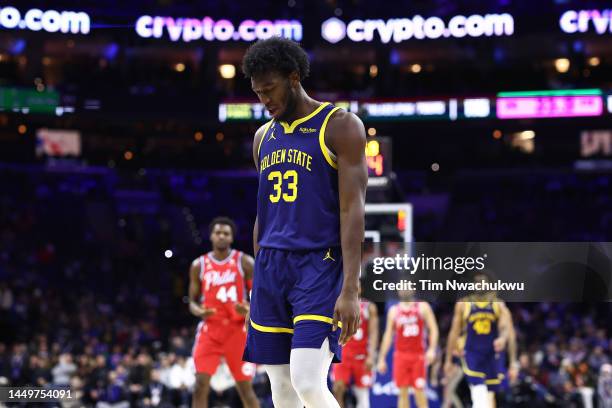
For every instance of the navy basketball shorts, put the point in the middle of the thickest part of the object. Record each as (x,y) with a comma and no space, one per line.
(483,368)
(292,303)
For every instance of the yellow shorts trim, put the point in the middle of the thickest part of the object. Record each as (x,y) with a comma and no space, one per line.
(471,373)
(317,318)
(268,329)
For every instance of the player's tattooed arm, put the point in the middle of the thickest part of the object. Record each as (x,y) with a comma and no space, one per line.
(345,135)
(453,336)
(373,335)
(432,332)
(386,341)
(194,292)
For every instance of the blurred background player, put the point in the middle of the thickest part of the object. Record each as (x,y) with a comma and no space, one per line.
(407,321)
(358,358)
(218,287)
(487,326)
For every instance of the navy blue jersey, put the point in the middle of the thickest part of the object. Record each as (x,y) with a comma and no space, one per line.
(297,201)
(481,319)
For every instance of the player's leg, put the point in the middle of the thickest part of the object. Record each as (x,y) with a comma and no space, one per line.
(403,399)
(420,397)
(206,357)
(341,375)
(417,380)
(363,381)
(476,367)
(339,392)
(480,396)
(492,399)
(450,390)
(247,395)
(309,368)
(362,395)
(243,372)
(283,393)
(201,391)
(270,330)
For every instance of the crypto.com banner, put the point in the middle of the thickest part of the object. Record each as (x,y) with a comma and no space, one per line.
(511,271)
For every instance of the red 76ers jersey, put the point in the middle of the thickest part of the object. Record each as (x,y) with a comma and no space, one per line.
(223,285)
(357,347)
(409,328)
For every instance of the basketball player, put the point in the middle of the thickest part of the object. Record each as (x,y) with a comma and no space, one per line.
(217,293)
(358,358)
(486,322)
(407,321)
(308,231)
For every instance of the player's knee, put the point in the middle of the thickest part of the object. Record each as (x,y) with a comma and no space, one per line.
(280,388)
(307,387)
(202,384)
(339,388)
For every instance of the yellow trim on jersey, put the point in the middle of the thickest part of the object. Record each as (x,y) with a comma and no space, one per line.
(268,329)
(263,136)
(496,309)
(467,310)
(471,373)
(326,151)
(289,128)
(318,318)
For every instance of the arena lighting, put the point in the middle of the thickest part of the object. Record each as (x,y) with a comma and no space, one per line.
(417,27)
(582,21)
(51,21)
(373,70)
(415,68)
(549,104)
(527,134)
(168,253)
(476,107)
(372,131)
(562,65)
(227,71)
(594,61)
(179,67)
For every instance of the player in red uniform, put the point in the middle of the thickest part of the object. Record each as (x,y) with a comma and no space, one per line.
(407,321)
(358,358)
(217,293)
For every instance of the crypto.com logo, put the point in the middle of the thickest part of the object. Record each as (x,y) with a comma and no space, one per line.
(418,27)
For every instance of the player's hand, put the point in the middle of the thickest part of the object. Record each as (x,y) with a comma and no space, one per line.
(369,363)
(499,344)
(382,366)
(346,312)
(242,308)
(430,356)
(207,311)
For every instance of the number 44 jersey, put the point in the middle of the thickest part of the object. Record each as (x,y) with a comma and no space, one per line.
(223,285)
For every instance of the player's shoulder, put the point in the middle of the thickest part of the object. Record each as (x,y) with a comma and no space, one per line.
(347,121)
(262,129)
(197,261)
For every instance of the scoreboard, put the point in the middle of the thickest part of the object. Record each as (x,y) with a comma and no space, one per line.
(378,155)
